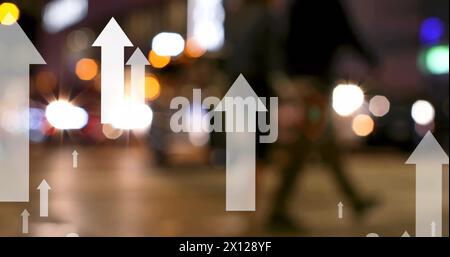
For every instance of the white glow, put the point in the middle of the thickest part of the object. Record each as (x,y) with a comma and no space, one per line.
(205,23)
(379,105)
(64,115)
(14,121)
(168,44)
(347,99)
(60,14)
(196,123)
(132,115)
(422,112)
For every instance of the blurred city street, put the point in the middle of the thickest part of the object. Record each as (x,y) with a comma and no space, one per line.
(168,117)
(116,191)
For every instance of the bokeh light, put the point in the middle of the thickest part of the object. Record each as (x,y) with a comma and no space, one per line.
(80,39)
(63,115)
(347,98)
(12,10)
(437,60)
(110,132)
(379,105)
(363,125)
(152,87)
(132,115)
(158,61)
(45,82)
(194,49)
(422,112)
(37,118)
(59,15)
(168,44)
(86,69)
(432,30)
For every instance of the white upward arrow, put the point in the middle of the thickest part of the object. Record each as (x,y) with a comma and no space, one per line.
(240,104)
(340,210)
(75,159)
(25,214)
(405,234)
(112,40)
(43,198)
(428,158)
(138,61)
(17,52)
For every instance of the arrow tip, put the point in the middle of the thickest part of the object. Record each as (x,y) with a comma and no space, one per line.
(44,185)
(25,213)
(340,204)
(138,58)
(112,34)
(14,39)
(74,152)
(241,88)
(428,151)
(406,234)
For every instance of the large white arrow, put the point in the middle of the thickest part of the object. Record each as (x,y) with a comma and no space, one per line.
(112,40)
(17,52)
(428,158)
(240,104)
(43,198)
(138,61)
(25,214)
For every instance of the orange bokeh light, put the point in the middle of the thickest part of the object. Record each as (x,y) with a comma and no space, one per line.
(363,125)
(158,61)
(152,87)
(86,69)
(193,49)
(45,82)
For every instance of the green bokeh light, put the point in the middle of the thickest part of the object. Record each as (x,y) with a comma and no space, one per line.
(436,60)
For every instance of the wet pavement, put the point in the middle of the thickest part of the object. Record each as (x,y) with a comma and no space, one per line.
(118,191)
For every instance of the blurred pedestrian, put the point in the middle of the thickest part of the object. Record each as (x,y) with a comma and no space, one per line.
(316,30)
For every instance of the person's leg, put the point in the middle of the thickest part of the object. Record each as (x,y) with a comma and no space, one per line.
(332,157)
(289,174)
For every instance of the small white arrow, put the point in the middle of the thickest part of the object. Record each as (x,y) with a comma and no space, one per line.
(17,52)
(340,210)
(43,197)
(138,61)
(406,234)
(75,159)
(25,214)
(433,229)
(240,144)
(112,41)
(428,158)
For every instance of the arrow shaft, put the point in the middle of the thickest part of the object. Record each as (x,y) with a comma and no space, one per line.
(14,157)
(112,81)
(43,208)
(428,199)
(137,90)
(24,224)
(240,171)
(75,161)
(340,212)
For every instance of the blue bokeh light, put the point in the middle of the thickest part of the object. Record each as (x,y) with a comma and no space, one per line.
(432,30)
